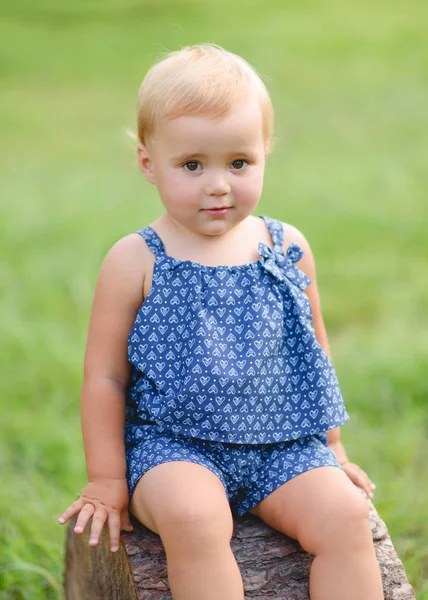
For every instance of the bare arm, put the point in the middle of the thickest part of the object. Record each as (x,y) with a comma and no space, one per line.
(118,295)
(307,265)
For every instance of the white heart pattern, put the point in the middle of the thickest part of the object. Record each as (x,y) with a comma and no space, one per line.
(249,473)
(232,342)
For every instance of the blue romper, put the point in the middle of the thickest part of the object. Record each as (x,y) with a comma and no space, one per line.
(227,373)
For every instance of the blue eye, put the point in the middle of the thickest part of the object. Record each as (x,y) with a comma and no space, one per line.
(239,164)
(192,165)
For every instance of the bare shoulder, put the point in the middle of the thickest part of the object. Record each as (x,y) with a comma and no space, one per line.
(307,262)
(119,294)
(292,234)
(131,251)
(126,266)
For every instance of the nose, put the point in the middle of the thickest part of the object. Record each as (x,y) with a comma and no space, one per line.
(217,185)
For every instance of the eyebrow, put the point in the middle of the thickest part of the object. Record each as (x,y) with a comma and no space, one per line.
(188,156)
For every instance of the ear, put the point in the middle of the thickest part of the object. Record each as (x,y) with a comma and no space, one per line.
(145,163)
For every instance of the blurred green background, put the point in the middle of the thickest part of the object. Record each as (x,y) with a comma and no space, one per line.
(349,83)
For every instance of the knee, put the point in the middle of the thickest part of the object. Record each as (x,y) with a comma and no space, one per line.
(352,511)
(195,526)
(344,526)
(348,525)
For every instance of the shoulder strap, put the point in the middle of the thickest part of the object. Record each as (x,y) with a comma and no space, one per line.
(152,239)
(276,230)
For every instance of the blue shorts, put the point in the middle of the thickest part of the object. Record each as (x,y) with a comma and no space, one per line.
(249,473)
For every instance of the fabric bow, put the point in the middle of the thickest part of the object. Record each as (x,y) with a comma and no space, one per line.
(282,265)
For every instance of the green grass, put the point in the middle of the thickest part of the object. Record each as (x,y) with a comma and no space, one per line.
(349,85)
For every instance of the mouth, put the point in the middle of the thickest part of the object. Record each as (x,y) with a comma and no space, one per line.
(217,211)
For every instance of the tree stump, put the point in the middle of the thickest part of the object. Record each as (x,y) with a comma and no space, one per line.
(272,565)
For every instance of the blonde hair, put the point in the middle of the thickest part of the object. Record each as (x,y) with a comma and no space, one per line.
(198,80)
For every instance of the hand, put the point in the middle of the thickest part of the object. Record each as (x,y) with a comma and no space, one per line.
(103,500)
(359,477)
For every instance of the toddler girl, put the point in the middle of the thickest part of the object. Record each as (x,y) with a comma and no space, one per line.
(207,347)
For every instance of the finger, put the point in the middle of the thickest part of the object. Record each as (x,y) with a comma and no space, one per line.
(114,530)
(98,521)
(84,516)
(126,523)
(71,511)
(368,486)
(364,483)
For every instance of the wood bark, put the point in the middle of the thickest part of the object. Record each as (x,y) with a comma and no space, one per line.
(272,565)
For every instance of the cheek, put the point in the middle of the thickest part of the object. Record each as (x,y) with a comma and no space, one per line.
(176,190)
(251,186)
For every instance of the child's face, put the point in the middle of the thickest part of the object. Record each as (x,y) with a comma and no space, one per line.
(200,163)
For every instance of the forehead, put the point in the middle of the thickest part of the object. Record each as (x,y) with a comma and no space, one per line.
(242,126)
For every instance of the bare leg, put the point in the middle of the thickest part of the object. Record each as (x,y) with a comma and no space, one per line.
(323,510)
(187,506)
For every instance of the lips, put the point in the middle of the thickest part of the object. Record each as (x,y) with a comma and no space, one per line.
(217,212)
